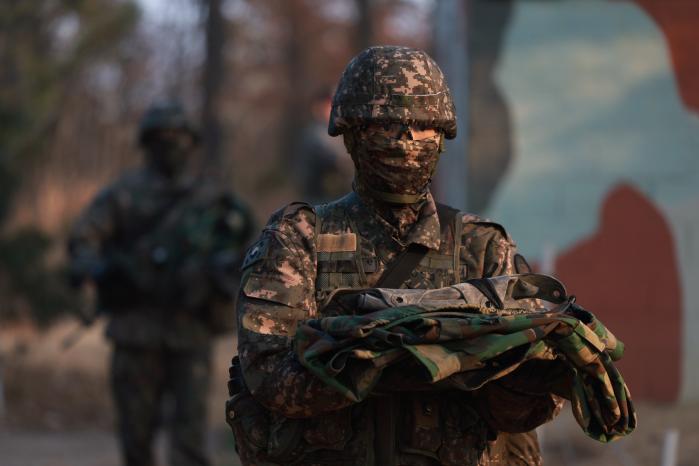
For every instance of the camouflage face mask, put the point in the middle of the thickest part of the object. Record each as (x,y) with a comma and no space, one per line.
(392,165)
(169,153)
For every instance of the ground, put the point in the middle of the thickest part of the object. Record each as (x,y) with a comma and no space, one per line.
(57,411)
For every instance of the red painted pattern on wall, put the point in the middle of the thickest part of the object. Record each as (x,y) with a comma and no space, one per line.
(678,19)
(627,274)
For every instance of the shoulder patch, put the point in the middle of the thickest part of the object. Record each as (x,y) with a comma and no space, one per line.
(256,253)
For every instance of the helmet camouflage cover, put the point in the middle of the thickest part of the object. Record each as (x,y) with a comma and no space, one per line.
(392,84)
(165,115)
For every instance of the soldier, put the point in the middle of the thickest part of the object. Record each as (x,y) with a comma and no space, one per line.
(162,248)
(394,110)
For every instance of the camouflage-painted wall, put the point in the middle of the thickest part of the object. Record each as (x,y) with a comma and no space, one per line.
(604,168)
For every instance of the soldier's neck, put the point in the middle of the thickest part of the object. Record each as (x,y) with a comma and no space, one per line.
(173,178)
(401,216)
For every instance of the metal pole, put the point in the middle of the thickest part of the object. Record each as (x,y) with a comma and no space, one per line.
(451,53)
(2,395)
(214,70)
(670,443)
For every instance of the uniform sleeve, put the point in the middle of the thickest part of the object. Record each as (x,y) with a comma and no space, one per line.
(278,291)
(486,249)
(524,399)
(94,227)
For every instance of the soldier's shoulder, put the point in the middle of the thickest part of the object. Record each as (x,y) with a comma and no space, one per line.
(472,223)
(290,228)
(132,177)
(296,219)
(126,182)
(216,194)
(291,213)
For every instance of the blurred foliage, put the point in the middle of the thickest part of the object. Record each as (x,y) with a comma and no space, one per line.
(28,285)
(44,46)
(75,76)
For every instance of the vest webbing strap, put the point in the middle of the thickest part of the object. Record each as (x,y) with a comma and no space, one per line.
(402,266)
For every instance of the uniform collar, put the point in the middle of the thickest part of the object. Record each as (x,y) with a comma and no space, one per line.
(182,181)
(425,231)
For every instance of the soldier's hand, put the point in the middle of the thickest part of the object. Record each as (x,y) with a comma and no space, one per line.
(84,268)
(87,307)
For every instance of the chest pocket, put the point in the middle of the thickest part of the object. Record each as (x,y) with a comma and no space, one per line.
(435,270)
(345,269)
(343,259)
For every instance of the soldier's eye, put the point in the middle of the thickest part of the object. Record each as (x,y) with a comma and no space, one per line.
(396,128)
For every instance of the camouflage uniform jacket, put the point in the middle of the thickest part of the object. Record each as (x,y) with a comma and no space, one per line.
(292,415)
(155,242)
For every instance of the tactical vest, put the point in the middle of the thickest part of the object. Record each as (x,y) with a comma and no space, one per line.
(346,259)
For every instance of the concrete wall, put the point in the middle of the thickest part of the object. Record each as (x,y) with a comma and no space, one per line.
(605,169)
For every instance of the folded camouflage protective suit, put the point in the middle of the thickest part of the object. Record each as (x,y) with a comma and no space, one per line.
(467,335)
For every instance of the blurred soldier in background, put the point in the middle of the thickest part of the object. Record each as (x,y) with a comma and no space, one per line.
(394,110)
(162,247)
(325,170)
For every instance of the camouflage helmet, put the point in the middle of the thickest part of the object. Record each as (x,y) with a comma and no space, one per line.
(164,115)
(392,84)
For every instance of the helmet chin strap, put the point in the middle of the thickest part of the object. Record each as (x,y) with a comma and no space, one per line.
(395,198)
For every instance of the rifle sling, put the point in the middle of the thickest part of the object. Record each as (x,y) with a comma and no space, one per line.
(402,266)
(153,221)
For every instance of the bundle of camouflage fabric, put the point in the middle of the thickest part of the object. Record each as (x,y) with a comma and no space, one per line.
(468,335)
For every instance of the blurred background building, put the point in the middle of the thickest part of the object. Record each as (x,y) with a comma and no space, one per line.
(578,131)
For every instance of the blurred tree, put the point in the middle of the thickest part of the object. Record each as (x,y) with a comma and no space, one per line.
(214,69)
(365,30)
(89,123)
(297,14)
(45,45)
